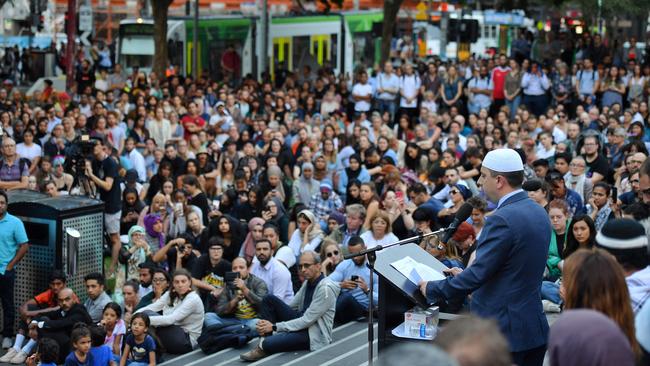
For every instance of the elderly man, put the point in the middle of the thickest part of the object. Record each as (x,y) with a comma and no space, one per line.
(510,259)
(14,171)
(306,323)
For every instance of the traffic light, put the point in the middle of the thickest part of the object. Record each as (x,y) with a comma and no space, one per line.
(468,29)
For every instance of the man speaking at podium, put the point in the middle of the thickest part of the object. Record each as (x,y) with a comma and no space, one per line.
(511,254)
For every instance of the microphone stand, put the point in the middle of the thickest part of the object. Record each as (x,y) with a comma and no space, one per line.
(371,256)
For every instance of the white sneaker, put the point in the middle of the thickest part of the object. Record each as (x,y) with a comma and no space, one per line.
(550,307)
(19,358)
(7,342)
(11,352)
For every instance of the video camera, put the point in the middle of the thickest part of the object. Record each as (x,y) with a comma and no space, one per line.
(80,150)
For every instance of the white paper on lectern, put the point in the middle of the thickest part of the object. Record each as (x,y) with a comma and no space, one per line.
(416,271)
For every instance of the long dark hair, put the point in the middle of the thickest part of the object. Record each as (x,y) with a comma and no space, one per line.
(172,292)
(571,243)
(413,163)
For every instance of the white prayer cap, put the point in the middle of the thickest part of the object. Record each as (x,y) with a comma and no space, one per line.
(503,161)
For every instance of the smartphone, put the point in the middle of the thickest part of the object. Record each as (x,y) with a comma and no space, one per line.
(354,278)
(215,204)
(399,195)
(614,194)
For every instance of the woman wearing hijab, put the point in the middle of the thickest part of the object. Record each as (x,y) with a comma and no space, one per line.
(355,171)
(274,187)
(274,212)
(133,254)
(255,227)
(306,186)
(230,230)
(155,236)
(308,235)
(586,337)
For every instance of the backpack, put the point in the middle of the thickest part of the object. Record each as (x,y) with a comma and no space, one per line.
(21,164)
(217,339)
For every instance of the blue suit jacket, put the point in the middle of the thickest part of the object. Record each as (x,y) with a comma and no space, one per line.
(505,279)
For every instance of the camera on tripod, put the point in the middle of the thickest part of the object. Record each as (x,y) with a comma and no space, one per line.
(80,150)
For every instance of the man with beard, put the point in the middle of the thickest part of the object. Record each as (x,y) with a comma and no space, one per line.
(276,276)
(353,276)
(597,165)
(145,271)
(58,324)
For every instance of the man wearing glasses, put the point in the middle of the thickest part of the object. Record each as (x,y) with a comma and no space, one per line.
(304,324)
(596,163)
(14,172)
(353,276)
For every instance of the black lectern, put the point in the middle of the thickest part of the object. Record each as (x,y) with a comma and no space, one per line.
(397,294)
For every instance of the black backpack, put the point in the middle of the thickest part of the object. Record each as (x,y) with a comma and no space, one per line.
(217,339)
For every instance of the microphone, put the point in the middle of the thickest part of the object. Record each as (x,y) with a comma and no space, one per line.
(463,213)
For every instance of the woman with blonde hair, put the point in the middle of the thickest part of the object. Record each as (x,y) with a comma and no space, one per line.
(592,279)
(380,232)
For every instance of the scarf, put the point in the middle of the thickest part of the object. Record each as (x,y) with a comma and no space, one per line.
(248,248)
(576,183)
(315,230)
(602,216)
(276,171)
(353,174)
(149,221)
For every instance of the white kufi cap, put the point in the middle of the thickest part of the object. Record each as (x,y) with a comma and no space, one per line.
(503,161)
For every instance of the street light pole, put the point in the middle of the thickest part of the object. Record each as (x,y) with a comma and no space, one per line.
(70,47)
(195,42)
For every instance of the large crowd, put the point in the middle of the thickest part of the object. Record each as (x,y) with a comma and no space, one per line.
(230,205)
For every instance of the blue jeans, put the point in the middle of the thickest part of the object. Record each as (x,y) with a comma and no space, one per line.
(387,105)
(513,105)
(551,291)
(348,309)
(275,310)
(7,281)
(212,319)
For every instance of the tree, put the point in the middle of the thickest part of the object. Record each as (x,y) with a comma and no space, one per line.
(159,8)
(391,8)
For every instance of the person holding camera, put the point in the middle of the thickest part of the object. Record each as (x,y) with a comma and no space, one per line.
(178,254)
(103,172)
(239,302)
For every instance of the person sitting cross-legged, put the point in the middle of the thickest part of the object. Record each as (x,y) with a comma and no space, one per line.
(239,301)
(353,277)
(306,323)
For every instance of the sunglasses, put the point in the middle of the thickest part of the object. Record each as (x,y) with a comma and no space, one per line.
(336,252)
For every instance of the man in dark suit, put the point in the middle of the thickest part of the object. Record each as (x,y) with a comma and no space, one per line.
(58,324)
(511,254)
